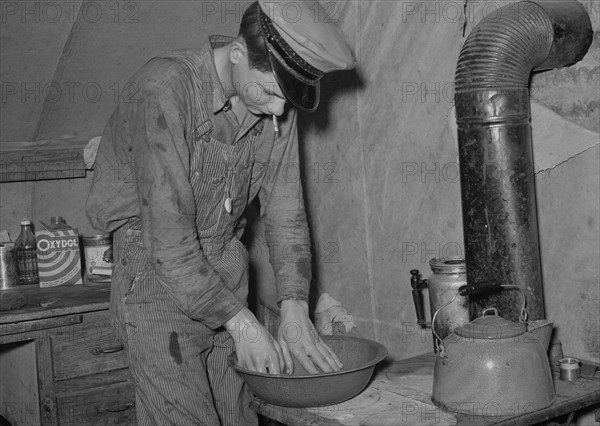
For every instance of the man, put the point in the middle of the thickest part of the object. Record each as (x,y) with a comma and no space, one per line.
(209,131)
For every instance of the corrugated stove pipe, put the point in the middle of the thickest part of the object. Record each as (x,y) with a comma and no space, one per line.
(494,136)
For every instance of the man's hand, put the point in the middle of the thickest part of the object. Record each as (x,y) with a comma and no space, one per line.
(256,349)
(297,335)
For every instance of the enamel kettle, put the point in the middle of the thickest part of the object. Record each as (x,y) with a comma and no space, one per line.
(492,366)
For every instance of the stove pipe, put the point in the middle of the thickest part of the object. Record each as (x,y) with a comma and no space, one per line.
(494,137)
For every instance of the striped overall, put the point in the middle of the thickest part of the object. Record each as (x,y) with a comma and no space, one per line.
(179,365)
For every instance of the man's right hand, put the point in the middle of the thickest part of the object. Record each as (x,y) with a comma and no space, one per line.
(255,348)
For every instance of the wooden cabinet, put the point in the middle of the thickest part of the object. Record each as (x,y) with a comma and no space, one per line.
(65,366)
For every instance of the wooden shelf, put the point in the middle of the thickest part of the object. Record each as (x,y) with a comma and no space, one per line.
(42,160)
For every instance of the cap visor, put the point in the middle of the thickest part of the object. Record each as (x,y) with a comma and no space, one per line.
(302,95)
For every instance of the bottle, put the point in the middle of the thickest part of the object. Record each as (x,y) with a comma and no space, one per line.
(26,249)
(57,223)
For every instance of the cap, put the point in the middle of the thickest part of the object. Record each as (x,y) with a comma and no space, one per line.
(303,45)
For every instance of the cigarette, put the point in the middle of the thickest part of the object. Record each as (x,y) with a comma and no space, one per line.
(275,125)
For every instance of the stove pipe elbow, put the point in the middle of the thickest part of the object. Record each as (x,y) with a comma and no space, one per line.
(494,137)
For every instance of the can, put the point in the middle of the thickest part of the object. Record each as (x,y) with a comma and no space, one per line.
(449,274)
(98,254)
(570,369)
(9,276)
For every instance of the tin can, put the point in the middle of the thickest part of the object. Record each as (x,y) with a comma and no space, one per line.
(98,254)
(570,369)
(9,276)
(449,274)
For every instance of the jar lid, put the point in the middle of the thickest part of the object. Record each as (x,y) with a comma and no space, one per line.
(25,221)
(448,265)
(492,327)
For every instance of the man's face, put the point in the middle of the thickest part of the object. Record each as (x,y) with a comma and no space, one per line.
(258,90)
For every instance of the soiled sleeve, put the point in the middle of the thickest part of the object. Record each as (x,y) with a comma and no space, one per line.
(166,203)
(284,215)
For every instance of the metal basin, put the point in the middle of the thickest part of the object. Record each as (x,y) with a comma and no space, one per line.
(301,389)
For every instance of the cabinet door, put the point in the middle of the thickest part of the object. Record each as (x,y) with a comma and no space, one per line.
(91,382)
(104,405)
(89,348)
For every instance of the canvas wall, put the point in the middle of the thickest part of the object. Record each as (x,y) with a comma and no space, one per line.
(395,201)
(380,156)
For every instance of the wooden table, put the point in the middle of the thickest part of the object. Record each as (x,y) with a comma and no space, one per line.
(400,394)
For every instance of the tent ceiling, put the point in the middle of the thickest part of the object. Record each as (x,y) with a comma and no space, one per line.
(64,63)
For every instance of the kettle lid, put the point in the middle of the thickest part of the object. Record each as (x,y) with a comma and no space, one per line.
(491,327)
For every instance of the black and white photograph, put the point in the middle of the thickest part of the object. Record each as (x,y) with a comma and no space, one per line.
(300,212)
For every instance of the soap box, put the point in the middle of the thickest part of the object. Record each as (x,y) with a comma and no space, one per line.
(59,256)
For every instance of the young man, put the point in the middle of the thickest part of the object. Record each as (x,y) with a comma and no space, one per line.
(210,130)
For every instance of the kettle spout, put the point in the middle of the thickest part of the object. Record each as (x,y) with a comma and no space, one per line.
(542,330)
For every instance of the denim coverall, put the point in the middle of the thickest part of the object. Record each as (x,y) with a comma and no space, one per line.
(173,174)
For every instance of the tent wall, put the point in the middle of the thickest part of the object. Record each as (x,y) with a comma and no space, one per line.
(380,156)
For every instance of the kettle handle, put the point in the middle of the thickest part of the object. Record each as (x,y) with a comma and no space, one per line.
(465,290)
(485,287)
(440,349)
(485,312)
(493,286)
(524,315)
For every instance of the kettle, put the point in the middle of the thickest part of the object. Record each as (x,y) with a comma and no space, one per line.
(492,366)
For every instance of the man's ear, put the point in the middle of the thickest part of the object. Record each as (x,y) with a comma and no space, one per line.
(237,52)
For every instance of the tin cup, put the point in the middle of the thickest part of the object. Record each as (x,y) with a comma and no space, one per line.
(98,254)
(9,276)
(569,369)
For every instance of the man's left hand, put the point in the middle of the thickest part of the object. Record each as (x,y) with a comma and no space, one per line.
(297,336)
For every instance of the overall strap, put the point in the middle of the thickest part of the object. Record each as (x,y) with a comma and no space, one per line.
(191,60)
